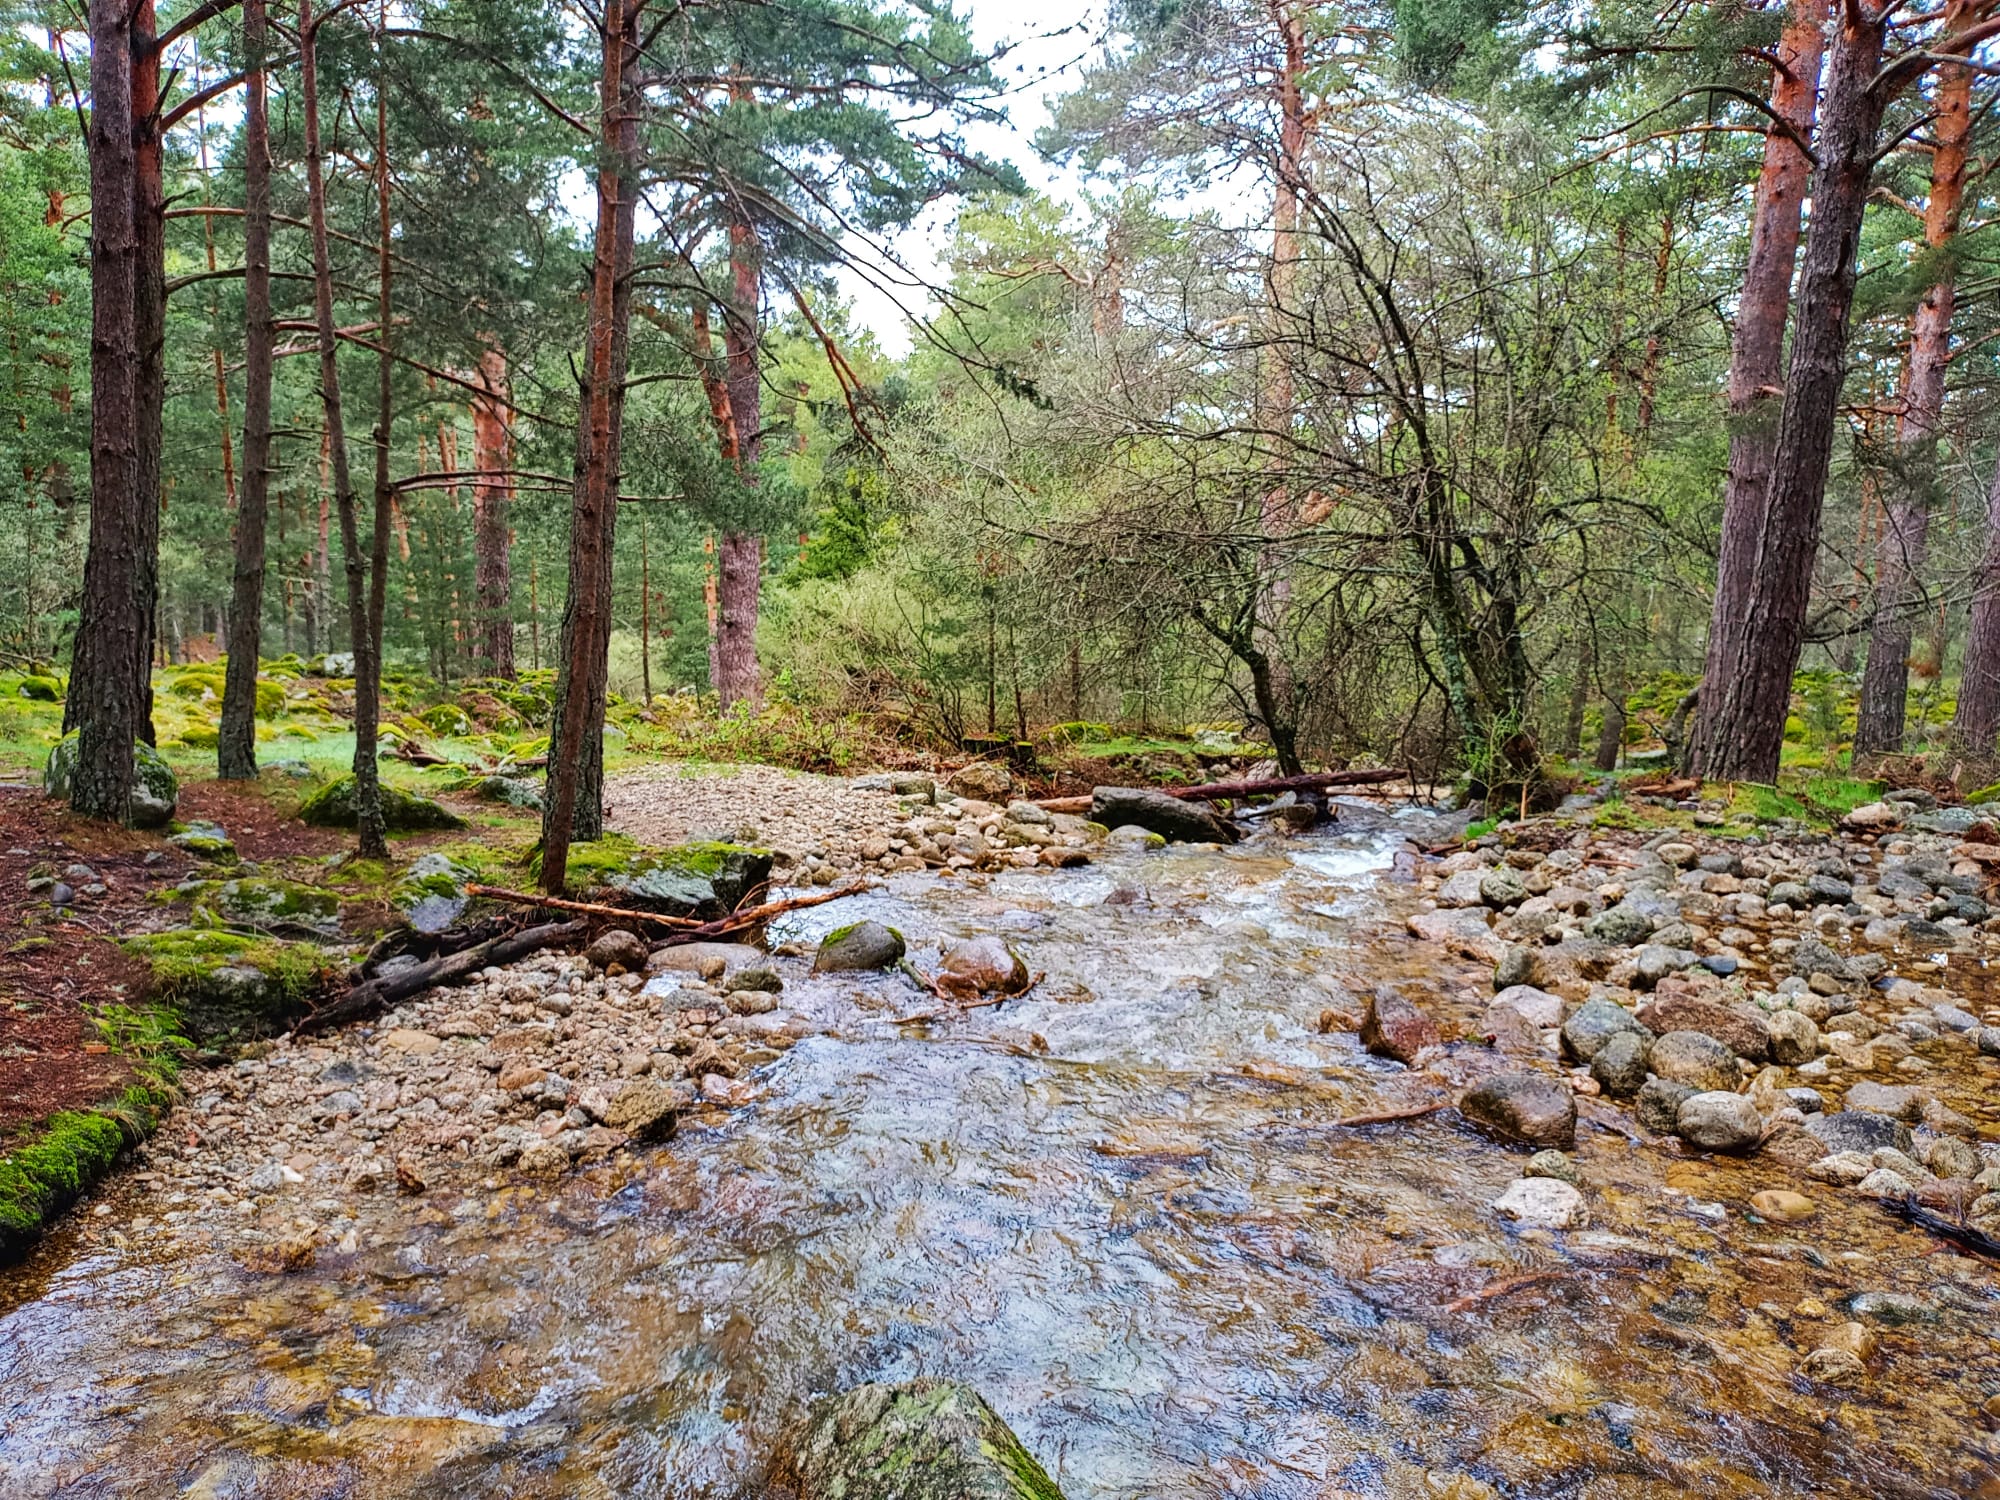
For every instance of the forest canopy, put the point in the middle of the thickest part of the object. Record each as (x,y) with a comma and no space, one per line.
(1455,386)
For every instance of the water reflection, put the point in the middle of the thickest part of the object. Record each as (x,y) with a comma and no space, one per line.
(1118,1207)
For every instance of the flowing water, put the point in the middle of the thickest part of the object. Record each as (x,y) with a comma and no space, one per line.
(1121,1208)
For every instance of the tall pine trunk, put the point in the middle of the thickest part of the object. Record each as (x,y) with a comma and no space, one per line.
(573,804)
(1756,356)
(740,559)
(1747,690)
(236,749)
(373,841)
(368,664)
(110,698)
(1899,561)
(1977,720)
(492,542)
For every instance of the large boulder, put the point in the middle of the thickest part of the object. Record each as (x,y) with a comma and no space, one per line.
(1526,1109)
(1859,1131)
(155,789)
(701,880)
(859,948)
(432,895)
(924,1440)
(332,806)
(1157,812)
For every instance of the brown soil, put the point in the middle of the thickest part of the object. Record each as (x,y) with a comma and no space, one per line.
(54,970)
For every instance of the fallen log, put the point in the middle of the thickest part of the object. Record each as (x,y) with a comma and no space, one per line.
(1219,791)
(385,990)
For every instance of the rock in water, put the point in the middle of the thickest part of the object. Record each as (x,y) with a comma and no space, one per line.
(1595,1023)
(645,1109)
(865,945)
(1543,1203)
(1716,1121)
(926,1440)
(983,966)
(1156,812)
(1620,1065)
(1396,1028)
(1525,1108)
(1858,1131)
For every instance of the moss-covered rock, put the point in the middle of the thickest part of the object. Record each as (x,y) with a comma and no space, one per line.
(47,1170)
(702,879)
(255,901)
(925,1440)
(332,806)
(514,791)
(431,895)
(228,987)
(860,947)
(446,719)
(209,841)
(40,690)
(155,789)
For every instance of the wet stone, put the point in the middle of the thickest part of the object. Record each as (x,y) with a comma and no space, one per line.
(1620,1064)
(1695,1059)
(863,947)
(926,1440)
(1658,1105)
(1543,1203)
(620,948)
(1527,1109)
(1717,1121)
(1593,1024)
(1858,1131)
(1396,1027)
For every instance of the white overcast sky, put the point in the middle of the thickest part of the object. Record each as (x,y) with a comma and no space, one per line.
(1042,65)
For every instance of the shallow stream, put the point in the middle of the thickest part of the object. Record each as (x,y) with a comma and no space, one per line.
(1120,1208)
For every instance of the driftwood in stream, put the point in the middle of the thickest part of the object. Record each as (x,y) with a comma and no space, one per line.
(685,930)
(1219,791)
(389,989)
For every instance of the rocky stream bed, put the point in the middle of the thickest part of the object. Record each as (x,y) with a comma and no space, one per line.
(1581,1165)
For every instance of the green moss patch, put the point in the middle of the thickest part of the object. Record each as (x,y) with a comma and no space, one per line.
(55,1165)
(332,806)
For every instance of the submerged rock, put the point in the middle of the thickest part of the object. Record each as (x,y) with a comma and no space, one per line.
(1158,812)
(1543,1203)
(1858,1131)
(1526,1109)
(925,1440)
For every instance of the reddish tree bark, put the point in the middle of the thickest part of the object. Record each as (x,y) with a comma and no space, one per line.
(573,805)
(1747,690)
(236,749)
(492,541)
(1900,559)
(110,698)
(740,557)
(1756,356)
(1977,720)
